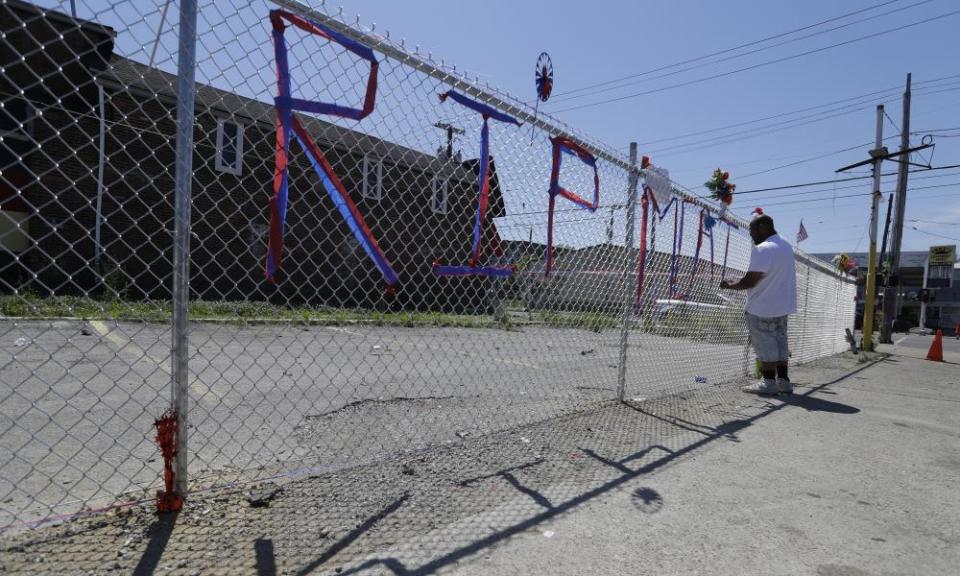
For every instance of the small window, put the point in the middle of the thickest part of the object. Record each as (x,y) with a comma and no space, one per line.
(16,131)
(54,223)
(372,178)
(438,201)
(257,239)
(229,147)
(16,119)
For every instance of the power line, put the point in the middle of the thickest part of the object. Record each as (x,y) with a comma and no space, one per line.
(631,80)
(832,191)
(935,130)
(862,236)
(621,205)
(714,142)
(773,128)
(934,222)
(892,123)
(726,50)
(915,229)
(895,90)
(761,64)
(810,159)
(805,209)
(805,184)
(789,202)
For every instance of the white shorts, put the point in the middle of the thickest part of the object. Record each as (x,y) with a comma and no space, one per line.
(769,337)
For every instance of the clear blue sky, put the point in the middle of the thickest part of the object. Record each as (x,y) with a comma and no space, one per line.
(606,39)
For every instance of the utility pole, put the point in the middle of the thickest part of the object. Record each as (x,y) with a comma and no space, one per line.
(883,244)
(923,305)
(877,155)
(451,130)
(891,294)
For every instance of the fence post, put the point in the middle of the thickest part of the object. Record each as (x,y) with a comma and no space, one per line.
(186,68)
(806,313)
(629,277)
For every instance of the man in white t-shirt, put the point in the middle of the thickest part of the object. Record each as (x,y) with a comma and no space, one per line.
(771,285)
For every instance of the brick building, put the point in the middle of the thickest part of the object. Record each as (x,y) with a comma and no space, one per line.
(87,187)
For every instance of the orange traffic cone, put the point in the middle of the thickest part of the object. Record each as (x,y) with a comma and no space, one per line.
(936,349)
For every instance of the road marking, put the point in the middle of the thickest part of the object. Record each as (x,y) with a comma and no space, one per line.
(344,331)
(902,338)
(127,346)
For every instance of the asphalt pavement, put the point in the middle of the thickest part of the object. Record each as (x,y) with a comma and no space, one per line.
(79,398)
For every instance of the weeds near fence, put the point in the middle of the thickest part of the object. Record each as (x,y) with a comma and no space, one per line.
(33,307)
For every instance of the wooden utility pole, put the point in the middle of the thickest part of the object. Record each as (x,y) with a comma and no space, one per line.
(877,154)
(891,293)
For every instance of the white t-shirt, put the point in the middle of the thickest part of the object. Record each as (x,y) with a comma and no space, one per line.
(776,293)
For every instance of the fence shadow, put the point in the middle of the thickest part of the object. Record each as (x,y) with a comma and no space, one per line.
(160,532)
(266,558)
(646,499)
(813,404)
(423,513)
(352,536)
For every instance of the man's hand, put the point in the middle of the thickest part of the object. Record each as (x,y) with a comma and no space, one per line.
(747,282)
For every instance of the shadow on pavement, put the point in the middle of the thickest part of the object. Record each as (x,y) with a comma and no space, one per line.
(817,404)
(644,498)
(160,533)
(424,512)
(353,535)
(266,559)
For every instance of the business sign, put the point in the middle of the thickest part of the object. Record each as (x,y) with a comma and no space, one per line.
(943,255)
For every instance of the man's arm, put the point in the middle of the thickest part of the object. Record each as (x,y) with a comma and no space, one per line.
(747,282)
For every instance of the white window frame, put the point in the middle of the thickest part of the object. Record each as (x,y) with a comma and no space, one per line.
(257,238)
(54,223)
(26,132)
(236,169)
(370,163)
(440,185)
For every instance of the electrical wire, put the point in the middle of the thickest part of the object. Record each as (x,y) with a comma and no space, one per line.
(889,119)
(892,91)
(681,149)
(761,64)
(915,229)
(686,148)
(866,194)
(934,222)
(810,159)
(735,56)
(805,184)
(724,51)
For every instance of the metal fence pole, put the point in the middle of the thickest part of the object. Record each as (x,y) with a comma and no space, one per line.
(629,278)
(186,68)
(806,313)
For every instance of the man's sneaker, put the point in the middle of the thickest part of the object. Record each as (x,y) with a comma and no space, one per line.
(785,385)
(763,386)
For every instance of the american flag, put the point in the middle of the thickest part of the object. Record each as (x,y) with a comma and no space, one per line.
(801,233)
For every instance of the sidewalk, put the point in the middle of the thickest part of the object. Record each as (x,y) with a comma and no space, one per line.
(854,475)
(868,490)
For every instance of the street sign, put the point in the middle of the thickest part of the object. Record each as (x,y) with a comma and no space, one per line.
(943,255)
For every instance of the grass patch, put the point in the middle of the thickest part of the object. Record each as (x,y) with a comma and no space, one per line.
(27,305)
(69,307)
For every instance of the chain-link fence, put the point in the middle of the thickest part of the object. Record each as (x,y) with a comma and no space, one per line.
(418,292)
